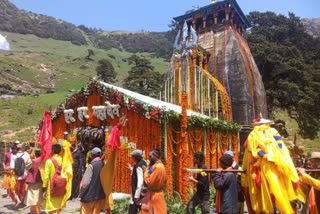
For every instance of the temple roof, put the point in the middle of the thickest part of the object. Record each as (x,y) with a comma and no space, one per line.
(210,9)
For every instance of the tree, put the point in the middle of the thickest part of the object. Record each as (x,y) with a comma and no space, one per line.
(288,60)
(142,78)
(105,71)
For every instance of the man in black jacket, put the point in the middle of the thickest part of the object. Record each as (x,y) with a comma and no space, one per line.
(226,186)
(202,195)
(136,180)
(91,191)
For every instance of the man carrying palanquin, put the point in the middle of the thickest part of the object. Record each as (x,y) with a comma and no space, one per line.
(313,180)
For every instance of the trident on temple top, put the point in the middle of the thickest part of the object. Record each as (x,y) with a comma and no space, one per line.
(185,49)
(185,44)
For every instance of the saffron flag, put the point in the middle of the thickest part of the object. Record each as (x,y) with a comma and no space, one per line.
(45,136)
(107,177)
(67,170)
(107,171)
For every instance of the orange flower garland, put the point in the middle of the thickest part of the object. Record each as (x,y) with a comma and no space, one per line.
(146,133)
(223,142)
(93,100)
(235,146)
(207,150)
(59,126)
(169,163)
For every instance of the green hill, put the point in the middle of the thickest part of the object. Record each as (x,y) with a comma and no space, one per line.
(36,67)
(20,21)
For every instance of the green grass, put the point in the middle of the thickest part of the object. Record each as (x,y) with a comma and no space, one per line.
(292,129)
(23,114)
(66,61)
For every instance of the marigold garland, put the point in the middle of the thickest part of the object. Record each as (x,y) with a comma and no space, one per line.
(147,134)
(223,142)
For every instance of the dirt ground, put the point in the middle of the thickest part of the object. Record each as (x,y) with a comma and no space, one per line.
(7,205)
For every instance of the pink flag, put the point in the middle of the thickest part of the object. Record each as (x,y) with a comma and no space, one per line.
(45,136)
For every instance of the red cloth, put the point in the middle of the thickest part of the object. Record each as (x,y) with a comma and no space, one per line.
(8,159)
(312,201)
(114,138)
(21,189)
(218,200)
(45,136)
(33,175)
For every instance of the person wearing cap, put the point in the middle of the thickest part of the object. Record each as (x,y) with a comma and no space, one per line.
(202,195)
(136,181)
(91,194)
(226,186)
(271,181)
(241,197)
(314,163)
(153,186)
(66,135)
(234,164)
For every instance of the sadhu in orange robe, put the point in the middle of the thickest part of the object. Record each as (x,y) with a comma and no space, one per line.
(154,182)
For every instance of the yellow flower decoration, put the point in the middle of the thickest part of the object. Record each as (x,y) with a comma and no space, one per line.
(203,173)
(54,140)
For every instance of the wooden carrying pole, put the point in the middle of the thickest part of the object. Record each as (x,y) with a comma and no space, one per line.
(214,170)
(232,170)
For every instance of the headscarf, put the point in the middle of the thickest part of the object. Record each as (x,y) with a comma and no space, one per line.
(156,152)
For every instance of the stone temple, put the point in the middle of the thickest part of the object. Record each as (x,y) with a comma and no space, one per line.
(221,78)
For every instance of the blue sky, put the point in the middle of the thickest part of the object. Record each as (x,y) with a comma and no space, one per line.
(148,15)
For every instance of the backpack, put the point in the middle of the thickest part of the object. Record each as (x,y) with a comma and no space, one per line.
(58,183)
(19,166)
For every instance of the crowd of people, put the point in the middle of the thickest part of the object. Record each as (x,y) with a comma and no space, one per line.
(30,180)
(38,186)
(44,185)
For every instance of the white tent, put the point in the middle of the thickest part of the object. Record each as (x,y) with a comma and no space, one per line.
(4,44)
(152,101)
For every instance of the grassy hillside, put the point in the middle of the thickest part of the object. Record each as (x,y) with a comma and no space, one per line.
(36,63)
(292,129)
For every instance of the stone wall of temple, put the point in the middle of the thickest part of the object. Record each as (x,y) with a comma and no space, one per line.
(232,63)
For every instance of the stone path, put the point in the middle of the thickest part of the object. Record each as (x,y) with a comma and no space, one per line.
(7,205)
